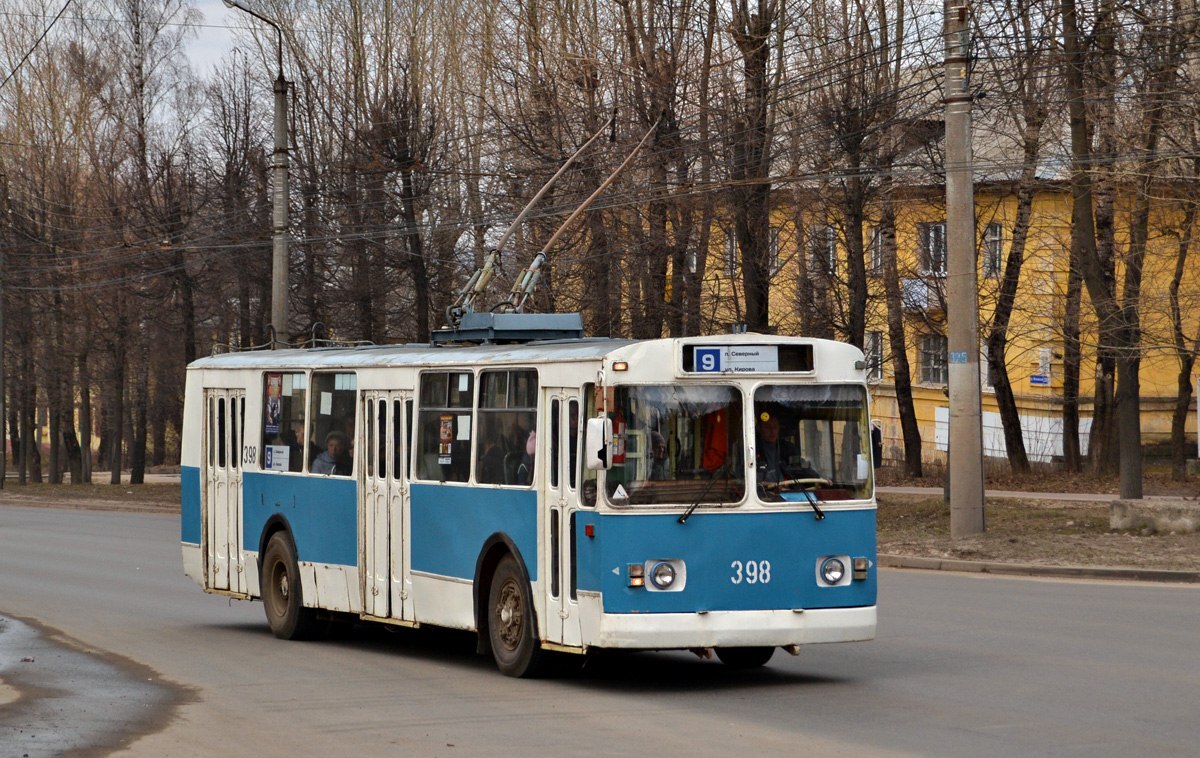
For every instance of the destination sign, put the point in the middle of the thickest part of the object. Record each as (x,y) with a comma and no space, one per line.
(740,359)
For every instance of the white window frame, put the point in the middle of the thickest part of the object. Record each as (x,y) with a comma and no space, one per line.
(931,237)
(873,348)
(993,247)
(731,254)
(935,367)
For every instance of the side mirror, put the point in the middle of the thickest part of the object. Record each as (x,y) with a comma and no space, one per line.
(595,445)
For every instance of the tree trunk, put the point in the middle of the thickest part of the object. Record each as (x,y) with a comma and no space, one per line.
(909,430)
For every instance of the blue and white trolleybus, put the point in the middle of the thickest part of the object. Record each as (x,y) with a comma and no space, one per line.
(552,495)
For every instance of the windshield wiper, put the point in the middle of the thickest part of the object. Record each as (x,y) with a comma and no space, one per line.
(812,500)
(704,493)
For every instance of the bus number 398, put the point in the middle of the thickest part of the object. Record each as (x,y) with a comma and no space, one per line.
(751,572)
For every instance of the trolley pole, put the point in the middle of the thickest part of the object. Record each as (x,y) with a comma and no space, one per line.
(962,295)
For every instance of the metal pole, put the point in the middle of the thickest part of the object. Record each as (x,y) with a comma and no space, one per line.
(3,405)
(279,253)
(962,296)
(279,164)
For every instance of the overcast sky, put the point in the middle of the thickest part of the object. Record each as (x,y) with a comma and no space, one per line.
(214,37)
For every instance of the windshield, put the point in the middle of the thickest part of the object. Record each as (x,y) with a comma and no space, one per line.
(812,438)
(678,445)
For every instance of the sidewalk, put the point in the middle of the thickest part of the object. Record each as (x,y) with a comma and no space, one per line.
(1008,494)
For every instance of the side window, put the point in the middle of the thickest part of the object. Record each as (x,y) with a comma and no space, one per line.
(331,439)
(370,437)
(408,438)
(573,433)
(507,427)
(444,426)
(221,441)
(554,443)
(400,440)
(381,440)
(284,408)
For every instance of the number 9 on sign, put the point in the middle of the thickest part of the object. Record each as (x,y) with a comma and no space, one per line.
(708,359)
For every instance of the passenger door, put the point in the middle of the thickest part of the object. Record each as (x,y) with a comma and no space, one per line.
(562,497)
(383,557)
(224,435)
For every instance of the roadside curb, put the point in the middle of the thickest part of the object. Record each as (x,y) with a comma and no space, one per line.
(1030,569)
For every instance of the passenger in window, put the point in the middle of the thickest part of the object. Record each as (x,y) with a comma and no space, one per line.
(658,449)
(491,463)
(295,451)
(336,458)
(525,467)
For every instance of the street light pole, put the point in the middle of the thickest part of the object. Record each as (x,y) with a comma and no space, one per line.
(279,170)
(962,293)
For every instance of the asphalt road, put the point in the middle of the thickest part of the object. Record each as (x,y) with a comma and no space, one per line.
(964,665)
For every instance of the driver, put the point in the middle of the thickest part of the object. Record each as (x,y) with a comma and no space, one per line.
(777,459)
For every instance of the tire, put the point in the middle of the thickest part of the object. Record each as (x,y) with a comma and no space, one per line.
(745,657)
(511,632)
(282,597)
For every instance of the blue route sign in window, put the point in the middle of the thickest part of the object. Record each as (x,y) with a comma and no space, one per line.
(708,360)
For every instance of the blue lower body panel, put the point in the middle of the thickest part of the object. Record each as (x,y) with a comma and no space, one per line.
(717,550)
(451,523)
(322,512)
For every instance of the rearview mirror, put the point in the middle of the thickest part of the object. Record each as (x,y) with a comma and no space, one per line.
(595,446)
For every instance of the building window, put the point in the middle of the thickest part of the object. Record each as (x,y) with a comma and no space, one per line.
(933,359)
(985,368)
(731,255)
(873,347)
(932,239)
(823,248)
(875,251)
(774,249)
(993,237)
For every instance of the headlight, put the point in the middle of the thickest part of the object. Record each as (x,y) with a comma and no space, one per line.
(832,570)
(662,574)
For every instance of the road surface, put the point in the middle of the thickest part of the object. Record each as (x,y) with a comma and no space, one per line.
(964,665)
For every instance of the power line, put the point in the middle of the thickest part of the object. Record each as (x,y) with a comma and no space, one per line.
(29,52)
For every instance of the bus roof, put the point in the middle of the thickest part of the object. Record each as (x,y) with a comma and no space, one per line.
(409,355)
(566,350)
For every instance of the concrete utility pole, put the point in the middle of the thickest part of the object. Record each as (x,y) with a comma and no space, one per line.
(962,295)
(279,166)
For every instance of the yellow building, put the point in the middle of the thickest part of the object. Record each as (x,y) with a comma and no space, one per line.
(1035,335)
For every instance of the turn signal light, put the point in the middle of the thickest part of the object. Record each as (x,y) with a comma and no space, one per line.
(637,575)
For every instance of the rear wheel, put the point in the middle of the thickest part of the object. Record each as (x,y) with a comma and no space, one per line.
(745,657)
(510,622)
(281,594)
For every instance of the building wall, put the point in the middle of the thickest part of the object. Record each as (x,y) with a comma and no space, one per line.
(1035,334)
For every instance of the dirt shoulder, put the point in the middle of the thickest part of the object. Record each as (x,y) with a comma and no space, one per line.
(1042,532)
(135,498)
(1038,532)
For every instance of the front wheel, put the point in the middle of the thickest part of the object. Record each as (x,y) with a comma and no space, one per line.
(745,657)
(281,595)
(510,622)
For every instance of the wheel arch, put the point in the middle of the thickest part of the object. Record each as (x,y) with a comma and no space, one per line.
(493,551)
(275,524)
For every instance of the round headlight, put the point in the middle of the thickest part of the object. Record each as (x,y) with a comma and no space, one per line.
(663,575)
(832,570)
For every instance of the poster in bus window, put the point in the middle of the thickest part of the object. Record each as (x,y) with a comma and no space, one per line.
(445,439)
(274,403)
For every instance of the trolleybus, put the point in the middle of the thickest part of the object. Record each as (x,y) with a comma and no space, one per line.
(551,495)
